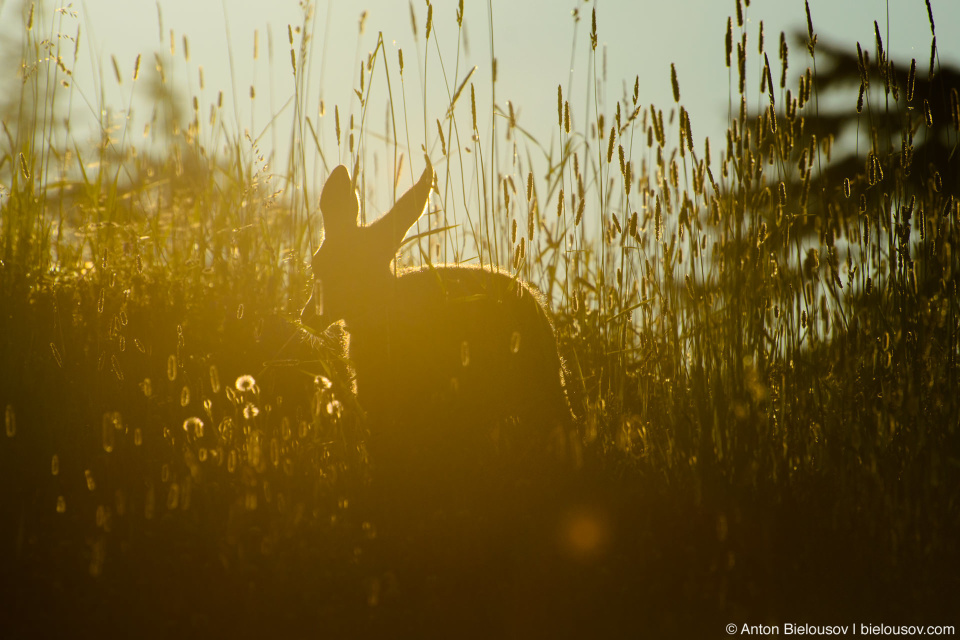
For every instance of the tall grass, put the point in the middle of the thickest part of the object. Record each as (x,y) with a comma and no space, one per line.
(761,332)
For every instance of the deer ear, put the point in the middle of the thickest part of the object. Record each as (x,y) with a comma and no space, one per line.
(338,202)
(387,232)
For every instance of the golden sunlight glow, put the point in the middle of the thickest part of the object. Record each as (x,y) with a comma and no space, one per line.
(584,534)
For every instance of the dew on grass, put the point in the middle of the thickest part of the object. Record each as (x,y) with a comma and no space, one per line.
(56,355)
(61,504)
(214,379)
(373,592)
(253,451)
(226,428)
(515,342)
(275,452)
(91,483)
(137,436)
(173,496)
(185,492)
(97,557)
(120,501)
(147,387)
(55,465)
(150,502)
(185,396)
(10,421)
(109,437)
(465,353)
(112,422)
(171,367)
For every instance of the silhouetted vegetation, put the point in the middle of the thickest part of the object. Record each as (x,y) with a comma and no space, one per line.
(761,335)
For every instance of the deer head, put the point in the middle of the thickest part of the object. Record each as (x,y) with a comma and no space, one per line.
(351,268)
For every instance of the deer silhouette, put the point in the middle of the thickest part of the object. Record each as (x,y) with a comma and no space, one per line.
(445,357)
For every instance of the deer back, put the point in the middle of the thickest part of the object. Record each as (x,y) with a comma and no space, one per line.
(469,340)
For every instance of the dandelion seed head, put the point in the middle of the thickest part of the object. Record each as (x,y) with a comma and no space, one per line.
(246,383)
(193,426)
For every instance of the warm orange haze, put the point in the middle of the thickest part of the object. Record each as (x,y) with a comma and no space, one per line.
(480,320)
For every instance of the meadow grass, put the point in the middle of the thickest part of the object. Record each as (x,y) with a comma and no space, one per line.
(761,333)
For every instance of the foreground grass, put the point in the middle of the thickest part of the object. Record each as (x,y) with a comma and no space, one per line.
(762,342)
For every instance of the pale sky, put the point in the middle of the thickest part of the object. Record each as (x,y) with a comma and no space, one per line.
(533,42)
